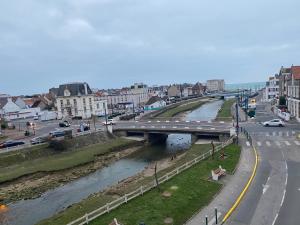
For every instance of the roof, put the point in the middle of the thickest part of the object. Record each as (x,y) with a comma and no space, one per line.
(75,89)
(153,99)
(296,72)
(285,70)
(3,102)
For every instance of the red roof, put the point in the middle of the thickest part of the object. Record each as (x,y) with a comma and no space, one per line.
(296,72)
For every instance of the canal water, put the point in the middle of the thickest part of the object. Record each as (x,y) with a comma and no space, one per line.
(28,212)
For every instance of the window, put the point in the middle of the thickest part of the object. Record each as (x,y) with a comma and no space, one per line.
(68,102)
(97,105)
(84,109)
(91,107)
(76,111)
(61,103)
(75,101)
(90,101)
(83,101)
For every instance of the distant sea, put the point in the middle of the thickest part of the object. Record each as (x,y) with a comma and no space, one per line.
(253,86)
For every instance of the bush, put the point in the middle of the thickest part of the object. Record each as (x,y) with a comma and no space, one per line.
(58,146)
(3,126)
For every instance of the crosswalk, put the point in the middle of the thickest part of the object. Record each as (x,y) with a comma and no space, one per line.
(276,143)
(291,133)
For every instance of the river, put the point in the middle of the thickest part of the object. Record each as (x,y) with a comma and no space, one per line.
(28,212)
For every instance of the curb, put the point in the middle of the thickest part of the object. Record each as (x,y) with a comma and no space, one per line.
(242,194)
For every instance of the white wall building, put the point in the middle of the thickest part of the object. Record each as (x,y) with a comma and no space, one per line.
(272,88)
(77,100)
(155,103)
(215,85)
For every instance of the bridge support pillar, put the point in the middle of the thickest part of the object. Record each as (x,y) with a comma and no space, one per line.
(194,138)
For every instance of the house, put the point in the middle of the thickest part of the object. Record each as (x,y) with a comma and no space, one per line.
(155,103)
(198,89)
(216,85)
(272,88)
(293,92)
(174,91)
(284,76)
(78,100)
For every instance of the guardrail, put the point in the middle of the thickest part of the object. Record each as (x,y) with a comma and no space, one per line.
(142,189)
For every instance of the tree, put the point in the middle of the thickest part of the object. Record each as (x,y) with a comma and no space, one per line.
(282,100)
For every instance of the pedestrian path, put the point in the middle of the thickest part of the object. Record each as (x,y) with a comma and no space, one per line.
(291,133)
(270,143)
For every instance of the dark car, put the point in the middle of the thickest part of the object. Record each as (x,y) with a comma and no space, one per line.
(38,140)
(8,144)
(64,124)
(55,134)
(83,127)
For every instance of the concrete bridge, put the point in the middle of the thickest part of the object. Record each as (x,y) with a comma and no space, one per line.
(158,130)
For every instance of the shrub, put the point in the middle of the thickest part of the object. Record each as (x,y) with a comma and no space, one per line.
(58,146)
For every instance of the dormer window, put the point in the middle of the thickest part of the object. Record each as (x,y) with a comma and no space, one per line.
(67,93)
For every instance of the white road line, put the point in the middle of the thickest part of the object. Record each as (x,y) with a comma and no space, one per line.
(152,126)
(212,128)
(283,196)
(199,128)
(297,142)
(167,121)
(222,122)
(280,133)
(287,143)
(187,121)
(142,126)
(158,121)
(274,221)
(265,187)
(137,121)
(268,143)
(287,134)
(174,127)
(186,128)
(293,132)
(274,133)
(247,143)
(163,127)
(277,143)
(198,121)
(176,121)
(209,121)
(149,121)
(267,134)
(133,126)
(258,143)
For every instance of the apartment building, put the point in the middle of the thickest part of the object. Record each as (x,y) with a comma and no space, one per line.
(215,85)
(293,92)
(272,88)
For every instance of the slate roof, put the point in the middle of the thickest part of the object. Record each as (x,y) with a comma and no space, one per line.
(3,102)
(76,89)
(153,99)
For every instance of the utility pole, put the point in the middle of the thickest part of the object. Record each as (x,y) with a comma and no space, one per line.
(105,118)
(237,119)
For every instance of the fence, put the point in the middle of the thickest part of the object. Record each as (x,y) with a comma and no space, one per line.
(142,189)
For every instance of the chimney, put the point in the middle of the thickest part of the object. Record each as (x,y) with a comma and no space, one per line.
(85,89)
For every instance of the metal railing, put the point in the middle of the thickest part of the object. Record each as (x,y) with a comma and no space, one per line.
(144,188)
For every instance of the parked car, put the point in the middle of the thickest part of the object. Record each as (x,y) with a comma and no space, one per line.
(83,127)
(38,140)
(64,124)
(57,133)
(8,144)
(274,123)
(109,122)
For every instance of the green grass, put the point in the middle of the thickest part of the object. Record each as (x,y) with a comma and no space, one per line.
(225,111)
(54,162)
(194,192)
(180,109)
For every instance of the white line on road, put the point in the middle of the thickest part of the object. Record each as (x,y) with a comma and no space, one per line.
(258,143)
(163,127)
(174,127)
(176,121)
(247,143)
(283,196)
(287,134)
(167,121)
(280,133)
(158,121)
(222,122)
(274,133)
(149,121)
(142,126)
(268,143)
(287,143)
(293,132)
(267,134)
(277,143)
(187,121)
(186,128)
(274,221)
(297,142)
(152,126)
(265,187)
(198,121)
(199,128)
(212,128)
(209,121)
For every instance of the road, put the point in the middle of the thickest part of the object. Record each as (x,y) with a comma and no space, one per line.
(274,196)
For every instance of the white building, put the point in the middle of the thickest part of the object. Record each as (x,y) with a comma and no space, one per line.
(78,100)
(293,92)
(215,85)
(155,103)
(272,88)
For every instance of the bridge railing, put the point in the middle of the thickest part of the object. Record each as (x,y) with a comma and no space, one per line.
(144,188)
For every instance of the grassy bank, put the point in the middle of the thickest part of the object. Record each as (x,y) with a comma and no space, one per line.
(181,108)
(194,191)
(48,161)
(225,111)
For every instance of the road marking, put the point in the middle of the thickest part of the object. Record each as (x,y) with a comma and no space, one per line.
(274,221)
(167,121)
(293,132)
(133,126)
(149,121)
(209,121)
(199,128)
(198,121)
(212,128)
(163,127)
(186,128)
(267,134)
(137,121)
(158,121)
(247,143)
(187,121)
(265,187)
(268,143)
(174,127)
(287,134)
(142,126)
(176,121)
(258,143)
(222,122)
(277,143)
(287,143)
(274,133)
(297,142)
(298,189)
(283,196)
(152,126)
(280,133)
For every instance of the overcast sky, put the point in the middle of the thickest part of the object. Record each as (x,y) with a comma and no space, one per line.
(113,43)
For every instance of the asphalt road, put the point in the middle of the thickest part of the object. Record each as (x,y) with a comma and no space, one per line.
(274,196)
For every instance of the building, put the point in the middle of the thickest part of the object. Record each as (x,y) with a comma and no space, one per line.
(215,85)
(78,100)
(198,89)
(174,91)
(284,76)
(293,92)
(272,88)
(155,103)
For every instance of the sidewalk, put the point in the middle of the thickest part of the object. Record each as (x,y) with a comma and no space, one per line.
(233,186)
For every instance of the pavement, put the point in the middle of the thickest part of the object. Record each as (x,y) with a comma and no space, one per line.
(233,186)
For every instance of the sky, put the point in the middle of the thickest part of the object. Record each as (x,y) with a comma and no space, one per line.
(114,43)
